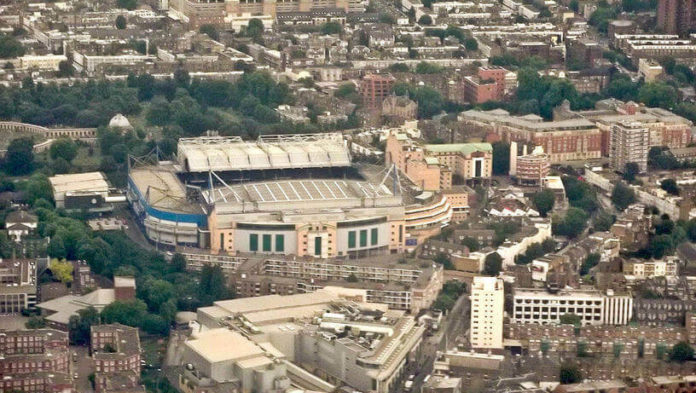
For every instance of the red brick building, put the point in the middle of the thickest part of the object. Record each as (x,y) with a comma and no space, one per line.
(32,351)
(115,348)
(374,88)
(675,16)
(490,84)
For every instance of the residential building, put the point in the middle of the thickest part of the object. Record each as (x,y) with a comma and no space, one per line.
(675,16)
(630,142)
(641,269)
(564,140)
(116,354)
(632,227)
(487,311)
(529,169)
(19,224)
(402,285)
(18,283)
(690,322)
(593,307)
(35,361)
(431,167)
(374,88)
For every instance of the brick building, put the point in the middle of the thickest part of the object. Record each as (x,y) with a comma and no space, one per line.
(675,16)
(374,88)
(116,354)
(35,361)
(399,109)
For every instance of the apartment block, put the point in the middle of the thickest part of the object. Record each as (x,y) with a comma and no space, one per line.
(629,143)
(431,167)
(17,285)
(487,310)
(542,306)
(374,88)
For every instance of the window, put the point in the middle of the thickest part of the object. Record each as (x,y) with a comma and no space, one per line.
(373,236)
(253,242)
(351,239)
(317,246)
(363,238)
(280,243)
(266,243)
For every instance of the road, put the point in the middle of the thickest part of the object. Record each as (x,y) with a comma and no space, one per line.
(455,325)
(83,367)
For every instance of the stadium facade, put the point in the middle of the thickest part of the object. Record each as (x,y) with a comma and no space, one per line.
(269,196)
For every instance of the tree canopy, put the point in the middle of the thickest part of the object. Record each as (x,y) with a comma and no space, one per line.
(544,201)
(622,196)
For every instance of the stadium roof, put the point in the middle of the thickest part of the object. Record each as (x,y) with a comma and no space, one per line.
(299,191)
(269,152)
(162,189)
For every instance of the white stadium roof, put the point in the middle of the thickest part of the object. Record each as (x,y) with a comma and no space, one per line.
(216,153)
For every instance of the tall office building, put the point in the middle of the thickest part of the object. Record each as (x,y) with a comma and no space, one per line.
(629,142)
(487,308)
(675,16)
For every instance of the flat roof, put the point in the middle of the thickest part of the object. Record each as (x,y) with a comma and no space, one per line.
(464,148)
(222,344)
(88,181)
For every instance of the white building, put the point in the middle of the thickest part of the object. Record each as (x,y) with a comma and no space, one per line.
(487,308)
(532,305)
(641,270)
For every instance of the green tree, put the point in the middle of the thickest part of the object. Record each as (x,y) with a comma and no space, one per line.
(570,373)
(471,243)
(79,326)
(501,158)
(65,70)
(590,261)
(255,29)
(444,260)
(62,270)
(572,225)
(443,303)
(681,352)
(660,246)
(493,264)
(121,22)
(56,248)
(571,319)
(129,312)
(425,20)
(544,201)
(352,278)
(622,196)
(210,31)
(471,44)
(10,47)
(127,4)
(331,28)
(35,323)
(428,68)
(64,148)
(19,159)
(658,94)
(178,263)
(213,285)
(603,221)
(670,185)
(631,170)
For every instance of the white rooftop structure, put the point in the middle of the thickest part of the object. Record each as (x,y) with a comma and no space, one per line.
(120,121)
(215,153)
(89,182)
